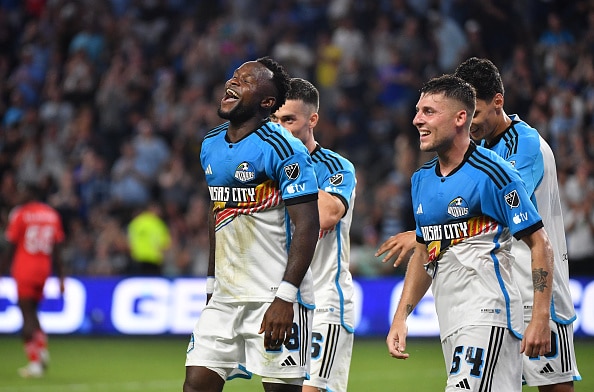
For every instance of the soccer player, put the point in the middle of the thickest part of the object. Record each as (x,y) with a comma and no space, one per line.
(264,227)
(522,146)
(332,343)
(34,233)
(468,203)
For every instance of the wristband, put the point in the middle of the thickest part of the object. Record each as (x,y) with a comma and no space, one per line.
(210,281)
(287,292)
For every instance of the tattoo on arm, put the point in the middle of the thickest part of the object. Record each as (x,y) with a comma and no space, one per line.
(409,309)
(539,279)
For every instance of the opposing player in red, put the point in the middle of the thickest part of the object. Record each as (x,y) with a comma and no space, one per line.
(34,233)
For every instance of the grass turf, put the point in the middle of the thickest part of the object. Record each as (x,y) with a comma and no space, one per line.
(128,364)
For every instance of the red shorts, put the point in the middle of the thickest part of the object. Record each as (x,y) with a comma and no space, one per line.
(30,288)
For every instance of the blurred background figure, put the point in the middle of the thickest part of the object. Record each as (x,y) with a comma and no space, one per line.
(149,239)
(33,235)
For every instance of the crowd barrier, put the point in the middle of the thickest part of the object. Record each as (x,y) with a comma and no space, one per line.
(161,306)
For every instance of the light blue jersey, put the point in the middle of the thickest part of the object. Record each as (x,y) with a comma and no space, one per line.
(330,266)
(467,219)
(529,153)
(250,182)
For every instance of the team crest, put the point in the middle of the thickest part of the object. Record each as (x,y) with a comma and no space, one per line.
(458,207)
(336,179)
(292,171)
(244,172)
(512,199)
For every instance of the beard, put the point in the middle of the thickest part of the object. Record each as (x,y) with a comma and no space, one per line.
(238,114)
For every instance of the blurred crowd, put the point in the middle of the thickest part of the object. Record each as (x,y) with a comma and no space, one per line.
(104,105)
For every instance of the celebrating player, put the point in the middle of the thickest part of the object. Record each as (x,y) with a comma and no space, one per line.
(521,145)
(264,227)
(468,202)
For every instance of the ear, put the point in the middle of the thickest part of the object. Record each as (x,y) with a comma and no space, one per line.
(461,117)
(313,120)
(498,101)
(268,102)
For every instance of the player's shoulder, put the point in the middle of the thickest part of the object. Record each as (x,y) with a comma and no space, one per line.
(331,160)
(219,130)
(427,167)
(491,167)
(273,139)
(526,136)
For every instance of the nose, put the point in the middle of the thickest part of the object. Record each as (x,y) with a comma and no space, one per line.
(417,119)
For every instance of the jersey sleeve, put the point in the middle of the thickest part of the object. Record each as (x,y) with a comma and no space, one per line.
(295,175)
(529,162)
(512,206)
(339,182)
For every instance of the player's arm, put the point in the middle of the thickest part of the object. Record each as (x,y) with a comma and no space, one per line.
(537,337)
(416,284)
(278,319)
(398,247)
(211,253)
(331,209)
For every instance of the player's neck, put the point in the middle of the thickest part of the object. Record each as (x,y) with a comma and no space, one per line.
(238,131)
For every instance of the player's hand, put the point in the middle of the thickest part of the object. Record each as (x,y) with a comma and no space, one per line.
(396,340)
(277,324)
(537,338)
(398,246)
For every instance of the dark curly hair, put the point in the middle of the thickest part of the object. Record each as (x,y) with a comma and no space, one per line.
(484,77)
(280,79)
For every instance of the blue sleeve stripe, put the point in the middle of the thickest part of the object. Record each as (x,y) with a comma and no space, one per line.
(276,140)
(490,168)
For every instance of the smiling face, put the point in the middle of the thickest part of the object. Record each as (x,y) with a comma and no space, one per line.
(438,119)
(249,91)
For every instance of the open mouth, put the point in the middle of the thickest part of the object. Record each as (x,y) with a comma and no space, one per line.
(230,95)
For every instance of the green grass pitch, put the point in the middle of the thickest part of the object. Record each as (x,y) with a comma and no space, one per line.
(128,364)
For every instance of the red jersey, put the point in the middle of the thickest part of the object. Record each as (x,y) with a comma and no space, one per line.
(34,228)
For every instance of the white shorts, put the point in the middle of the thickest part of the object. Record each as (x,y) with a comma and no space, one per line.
(483,358)
(559,365)
(331,352)
(226,340)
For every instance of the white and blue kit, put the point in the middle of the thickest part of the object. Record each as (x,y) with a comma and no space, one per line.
(251,181)
(528,152)
(332,340)
(466,220)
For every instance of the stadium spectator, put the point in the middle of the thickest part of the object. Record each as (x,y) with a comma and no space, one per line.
(178,70)
(148,240)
